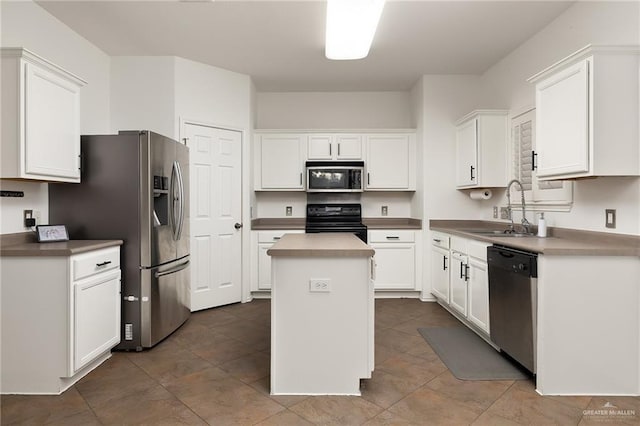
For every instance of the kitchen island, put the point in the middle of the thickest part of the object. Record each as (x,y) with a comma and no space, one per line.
(322,314)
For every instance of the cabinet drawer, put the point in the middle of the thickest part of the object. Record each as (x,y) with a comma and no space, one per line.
(94,262)
(478,250)
(388,236)
(440,240)
(274,236)
(459,244)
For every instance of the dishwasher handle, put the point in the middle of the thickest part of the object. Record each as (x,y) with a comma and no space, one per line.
(512,260)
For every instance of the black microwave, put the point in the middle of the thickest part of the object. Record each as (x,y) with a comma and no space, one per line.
(334,176)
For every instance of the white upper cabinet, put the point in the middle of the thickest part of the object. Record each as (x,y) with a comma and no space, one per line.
(524,162)
(587,114)
(391,162)
(279,157)
(334,147)
(481,149)
(40,119)
(279,161)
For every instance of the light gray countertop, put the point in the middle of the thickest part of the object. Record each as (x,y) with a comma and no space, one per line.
(320,245)
(24,244)
(561,241)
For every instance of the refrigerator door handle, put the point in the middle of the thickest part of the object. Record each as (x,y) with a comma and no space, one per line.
(172,193)
(181,201)
(172,182)
(173,270)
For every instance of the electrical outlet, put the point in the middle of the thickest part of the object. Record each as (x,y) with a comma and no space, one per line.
(320,285)
(610,218)
(384,210)
(495,212)
(289,210)
(504,213)
(29,220)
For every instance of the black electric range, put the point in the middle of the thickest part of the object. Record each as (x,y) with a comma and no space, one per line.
(336,218)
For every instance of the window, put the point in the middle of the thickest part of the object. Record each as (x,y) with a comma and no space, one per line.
(549,195)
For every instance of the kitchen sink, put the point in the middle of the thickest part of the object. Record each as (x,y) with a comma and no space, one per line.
(498,233)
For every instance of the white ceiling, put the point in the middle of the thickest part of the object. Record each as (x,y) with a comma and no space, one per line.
(280,44)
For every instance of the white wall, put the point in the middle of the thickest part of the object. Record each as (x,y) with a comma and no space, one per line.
(25,24)
(213,95)
(333,110)
(447,98)
(143,95)
(504,86)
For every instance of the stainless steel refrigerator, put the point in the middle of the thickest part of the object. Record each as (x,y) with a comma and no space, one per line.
(134,187)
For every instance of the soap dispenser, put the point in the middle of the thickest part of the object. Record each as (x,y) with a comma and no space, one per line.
(542,226)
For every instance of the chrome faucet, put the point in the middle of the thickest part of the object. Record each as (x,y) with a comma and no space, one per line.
(525,223)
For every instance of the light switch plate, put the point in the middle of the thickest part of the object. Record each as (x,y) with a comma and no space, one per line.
(289,210)
(610,218)
(384,210)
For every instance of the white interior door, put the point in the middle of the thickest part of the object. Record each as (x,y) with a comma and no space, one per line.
(216,207)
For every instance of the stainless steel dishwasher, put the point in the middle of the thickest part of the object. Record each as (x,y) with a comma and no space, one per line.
(513,302)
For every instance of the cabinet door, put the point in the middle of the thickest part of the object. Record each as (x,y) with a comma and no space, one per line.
(478,294)
(96,317)
(52,125)
(524,152)
(388,162)
(562,127)
(395,266)
(320,147)
(458,274)
(264,267)
(281,162)
(440,263)
(467,153)
(349,147)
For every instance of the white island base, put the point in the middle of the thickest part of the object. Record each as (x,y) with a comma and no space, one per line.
(322,314)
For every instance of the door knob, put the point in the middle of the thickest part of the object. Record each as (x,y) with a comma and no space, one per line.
(237,225)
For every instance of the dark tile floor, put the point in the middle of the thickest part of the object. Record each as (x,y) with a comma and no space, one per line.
(215,370)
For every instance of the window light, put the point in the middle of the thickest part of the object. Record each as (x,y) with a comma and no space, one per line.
(351,25)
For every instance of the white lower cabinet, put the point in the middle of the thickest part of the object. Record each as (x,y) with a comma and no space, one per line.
(440,264)
(97,323)
(263,240)
(459,278)
(478,293)
(60,318)
(395,259)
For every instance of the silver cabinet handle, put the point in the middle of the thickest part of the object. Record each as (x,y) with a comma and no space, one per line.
(338,149)
(437,240)
(300,178)
(276,238)
(392,237)
(105,263)
(329,150)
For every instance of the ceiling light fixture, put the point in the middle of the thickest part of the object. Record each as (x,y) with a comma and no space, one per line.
(351,25)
